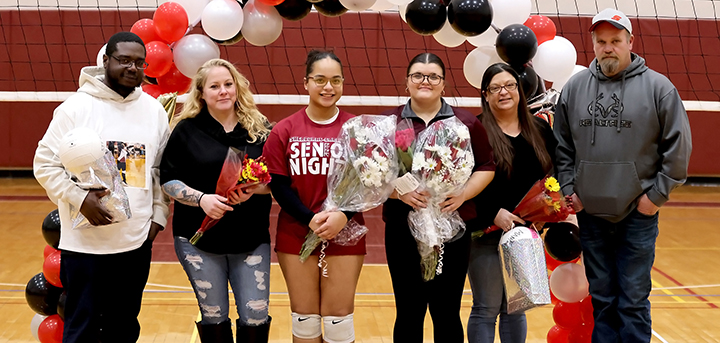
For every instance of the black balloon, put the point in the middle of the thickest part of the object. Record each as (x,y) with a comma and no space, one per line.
(41,296)
(51,229)
(516,44)
(330,8)
(470,17)
(528,80)
(238,37)
(61,305)
(562,241)
(426,17)
(294,9)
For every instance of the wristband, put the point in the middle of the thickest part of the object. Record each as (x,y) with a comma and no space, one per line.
(200,198)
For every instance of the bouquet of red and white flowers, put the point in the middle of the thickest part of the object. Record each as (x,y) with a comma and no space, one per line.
(361,176)
(404,142)
(543,203)
(443,162)
(238,172)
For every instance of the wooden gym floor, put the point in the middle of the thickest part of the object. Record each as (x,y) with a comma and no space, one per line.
(685,297)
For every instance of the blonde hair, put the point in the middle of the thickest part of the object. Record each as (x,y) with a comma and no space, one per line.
(249,116)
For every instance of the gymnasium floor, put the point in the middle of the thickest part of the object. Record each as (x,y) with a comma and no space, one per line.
(685,296)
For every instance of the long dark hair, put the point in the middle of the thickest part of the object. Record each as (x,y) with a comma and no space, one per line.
(502,149)
(317,55)
(426,58)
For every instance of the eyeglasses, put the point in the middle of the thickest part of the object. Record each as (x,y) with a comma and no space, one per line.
(322,81)
(127,63)
(508,87)
(419,78)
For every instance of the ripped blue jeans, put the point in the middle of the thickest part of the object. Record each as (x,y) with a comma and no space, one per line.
(249,276)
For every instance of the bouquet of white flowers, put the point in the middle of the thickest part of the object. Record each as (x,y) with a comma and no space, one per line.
(443,162)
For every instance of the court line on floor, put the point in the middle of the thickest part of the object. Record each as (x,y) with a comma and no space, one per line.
(659,337)
(685,287)
(671,294)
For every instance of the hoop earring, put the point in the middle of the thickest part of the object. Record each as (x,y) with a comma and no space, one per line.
(443,92)
(407,90)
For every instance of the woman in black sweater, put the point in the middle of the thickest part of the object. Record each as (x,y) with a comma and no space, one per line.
(220,114)
(523,148)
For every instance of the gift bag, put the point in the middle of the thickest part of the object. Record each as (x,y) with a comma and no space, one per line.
(524,269)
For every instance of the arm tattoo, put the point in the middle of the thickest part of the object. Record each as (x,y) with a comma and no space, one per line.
(183,194)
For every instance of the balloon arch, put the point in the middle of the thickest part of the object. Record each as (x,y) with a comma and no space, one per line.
(501,31)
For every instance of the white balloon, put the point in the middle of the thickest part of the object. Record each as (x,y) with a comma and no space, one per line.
(35,325)
(400,2)
(448,37)
(486,38)
(101,53)
(222,19)
(192,51)
(263,24)
(506,12)
(402,9)
(382,5)
(477,61)
(357,5)
(559,84)
(193,8)
(555,59)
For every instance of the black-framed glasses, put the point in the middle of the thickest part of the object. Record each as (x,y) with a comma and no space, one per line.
(508,87)
(322,81)
(418,78)
(127,63)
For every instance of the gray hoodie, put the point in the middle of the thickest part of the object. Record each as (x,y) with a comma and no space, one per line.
(608,165)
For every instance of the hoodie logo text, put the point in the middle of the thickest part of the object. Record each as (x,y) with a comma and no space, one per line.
(599,109)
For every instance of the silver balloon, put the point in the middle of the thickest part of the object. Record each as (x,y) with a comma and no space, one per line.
(262,23)
(35,325)
(192,51)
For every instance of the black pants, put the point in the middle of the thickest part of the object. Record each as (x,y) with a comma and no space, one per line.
(413,296)
(104,293)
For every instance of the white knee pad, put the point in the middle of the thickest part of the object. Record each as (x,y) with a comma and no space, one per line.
(339,329)
(306,326)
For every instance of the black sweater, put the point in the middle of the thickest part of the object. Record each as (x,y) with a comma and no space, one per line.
(506,192)
(195,154)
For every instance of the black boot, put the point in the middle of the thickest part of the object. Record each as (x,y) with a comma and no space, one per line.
(215,333)
(253,334)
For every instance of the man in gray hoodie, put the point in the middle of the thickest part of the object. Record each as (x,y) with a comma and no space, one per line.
(623,146)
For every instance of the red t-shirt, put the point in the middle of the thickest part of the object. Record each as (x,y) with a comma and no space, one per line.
(304,151)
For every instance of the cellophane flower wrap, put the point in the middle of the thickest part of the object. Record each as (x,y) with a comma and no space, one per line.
(101,174)
(524,269)
(361,177)
(544,202)
(238,172)
(442,163)
(405,145)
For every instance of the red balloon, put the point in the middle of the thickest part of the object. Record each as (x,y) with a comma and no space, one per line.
(272,2)
(582,334)
(557,335)
(51,330)
(586,310)
(48,250)
(174,81)
(154,90)
(51,269)
(159,58)
(171,21)
(567,315)
(145,29)
(542,26)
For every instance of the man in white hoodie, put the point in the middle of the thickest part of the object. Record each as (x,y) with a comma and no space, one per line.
(104,269)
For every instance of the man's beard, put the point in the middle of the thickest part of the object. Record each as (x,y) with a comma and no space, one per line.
(609,65)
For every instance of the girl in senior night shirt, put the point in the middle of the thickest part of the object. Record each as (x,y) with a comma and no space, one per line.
(299,153)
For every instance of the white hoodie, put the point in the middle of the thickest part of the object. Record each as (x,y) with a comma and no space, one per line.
(137,119)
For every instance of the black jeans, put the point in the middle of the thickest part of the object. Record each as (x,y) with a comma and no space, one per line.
(104,293)
(413,296)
